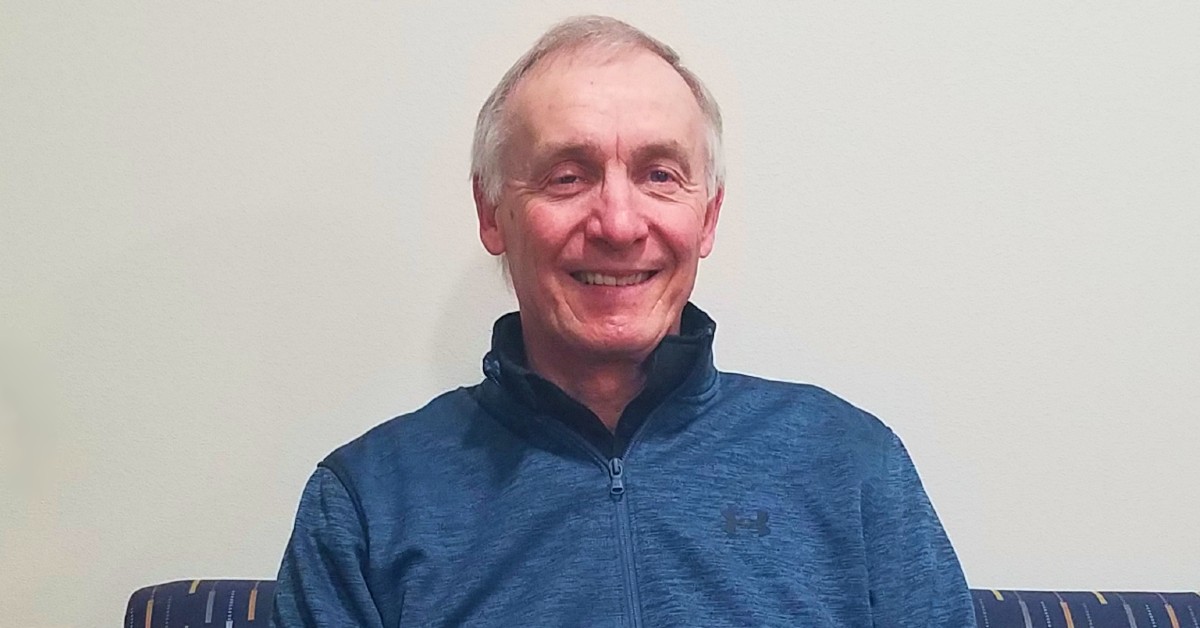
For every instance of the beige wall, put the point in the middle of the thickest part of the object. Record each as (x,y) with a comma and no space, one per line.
(235,235)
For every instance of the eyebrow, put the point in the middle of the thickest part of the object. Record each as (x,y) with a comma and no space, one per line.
(671,150)
(550,154)
(592,153)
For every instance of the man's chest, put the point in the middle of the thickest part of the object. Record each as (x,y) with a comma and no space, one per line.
(706,540)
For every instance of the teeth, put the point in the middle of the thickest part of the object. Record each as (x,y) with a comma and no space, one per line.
(597,279)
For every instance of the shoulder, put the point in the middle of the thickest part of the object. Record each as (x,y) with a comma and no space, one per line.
(798,411)
(393,446)
(811,405)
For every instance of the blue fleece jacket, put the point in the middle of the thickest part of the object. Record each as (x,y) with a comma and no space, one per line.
(719,500)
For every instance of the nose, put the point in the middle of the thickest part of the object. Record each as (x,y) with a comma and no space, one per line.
(616,219)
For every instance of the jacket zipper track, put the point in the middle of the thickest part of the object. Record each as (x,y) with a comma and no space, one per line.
(615,468)
(616,471)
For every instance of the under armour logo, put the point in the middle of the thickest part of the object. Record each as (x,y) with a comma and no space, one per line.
(733,522)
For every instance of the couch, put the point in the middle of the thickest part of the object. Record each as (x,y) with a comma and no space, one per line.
(247,604)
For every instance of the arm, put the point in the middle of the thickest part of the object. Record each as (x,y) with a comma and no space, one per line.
(321,580)
(916,580)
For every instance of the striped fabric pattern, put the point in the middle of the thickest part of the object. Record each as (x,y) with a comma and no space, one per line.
(247,604)
(1085,609)
(201,604)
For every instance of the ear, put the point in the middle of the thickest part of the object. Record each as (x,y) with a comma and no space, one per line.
(711,212)
(489,228)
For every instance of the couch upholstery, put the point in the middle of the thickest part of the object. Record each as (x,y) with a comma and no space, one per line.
(1085,609)
(247,604)
(201,603)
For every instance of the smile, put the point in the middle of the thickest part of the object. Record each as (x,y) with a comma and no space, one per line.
(602,279)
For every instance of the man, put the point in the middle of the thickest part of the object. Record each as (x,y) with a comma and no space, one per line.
(604,473)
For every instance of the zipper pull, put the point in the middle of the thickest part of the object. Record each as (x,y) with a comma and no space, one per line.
(616,471)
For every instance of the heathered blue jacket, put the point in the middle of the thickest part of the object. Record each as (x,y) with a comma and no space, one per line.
(720,500)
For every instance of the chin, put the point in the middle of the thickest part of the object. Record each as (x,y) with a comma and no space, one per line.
(625,342)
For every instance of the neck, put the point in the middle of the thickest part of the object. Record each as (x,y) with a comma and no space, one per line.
(604,386)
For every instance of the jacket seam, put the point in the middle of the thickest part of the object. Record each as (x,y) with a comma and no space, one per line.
(359,512)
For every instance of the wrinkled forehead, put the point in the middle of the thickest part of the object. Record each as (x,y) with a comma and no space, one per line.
(604,97)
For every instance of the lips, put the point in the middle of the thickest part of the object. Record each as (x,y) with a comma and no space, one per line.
(611,279)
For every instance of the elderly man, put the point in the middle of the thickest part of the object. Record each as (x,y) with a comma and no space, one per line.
(604,473)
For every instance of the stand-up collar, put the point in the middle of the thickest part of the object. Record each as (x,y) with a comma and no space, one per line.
(680,366)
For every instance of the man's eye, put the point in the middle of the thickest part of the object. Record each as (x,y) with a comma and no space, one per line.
(565,179)
(660,176)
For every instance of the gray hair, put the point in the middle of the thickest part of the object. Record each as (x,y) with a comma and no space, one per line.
(491,128)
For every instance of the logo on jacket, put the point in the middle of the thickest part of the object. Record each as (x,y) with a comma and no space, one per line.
(732,522)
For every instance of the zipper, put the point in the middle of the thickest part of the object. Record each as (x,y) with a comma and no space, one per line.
(616,489)
(615,467)
(616,474)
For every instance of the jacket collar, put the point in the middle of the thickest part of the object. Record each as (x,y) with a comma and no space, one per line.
(680,366)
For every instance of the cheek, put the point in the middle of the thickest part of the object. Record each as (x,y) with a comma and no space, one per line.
(544,234)
(683,232)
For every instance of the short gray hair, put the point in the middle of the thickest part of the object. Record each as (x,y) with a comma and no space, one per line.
(491,128)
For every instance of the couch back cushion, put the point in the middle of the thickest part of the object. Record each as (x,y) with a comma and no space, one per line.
(201,603)
(247,604)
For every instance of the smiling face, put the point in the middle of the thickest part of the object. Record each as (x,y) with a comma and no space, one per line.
(604,213)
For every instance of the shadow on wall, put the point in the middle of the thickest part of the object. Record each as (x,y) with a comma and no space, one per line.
(478,296)
(32,460)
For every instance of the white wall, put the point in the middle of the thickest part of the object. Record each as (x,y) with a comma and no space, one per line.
(235,235)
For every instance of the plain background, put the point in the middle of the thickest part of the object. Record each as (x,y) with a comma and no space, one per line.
(236,235)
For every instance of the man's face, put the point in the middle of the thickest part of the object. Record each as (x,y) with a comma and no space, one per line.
(605,213)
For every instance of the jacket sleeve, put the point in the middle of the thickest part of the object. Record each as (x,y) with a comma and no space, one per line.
(321,580)
(916,580)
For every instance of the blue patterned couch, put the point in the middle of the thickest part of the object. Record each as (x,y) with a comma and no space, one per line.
(247,604)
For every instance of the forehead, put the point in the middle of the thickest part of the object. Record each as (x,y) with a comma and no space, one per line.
(625,98)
